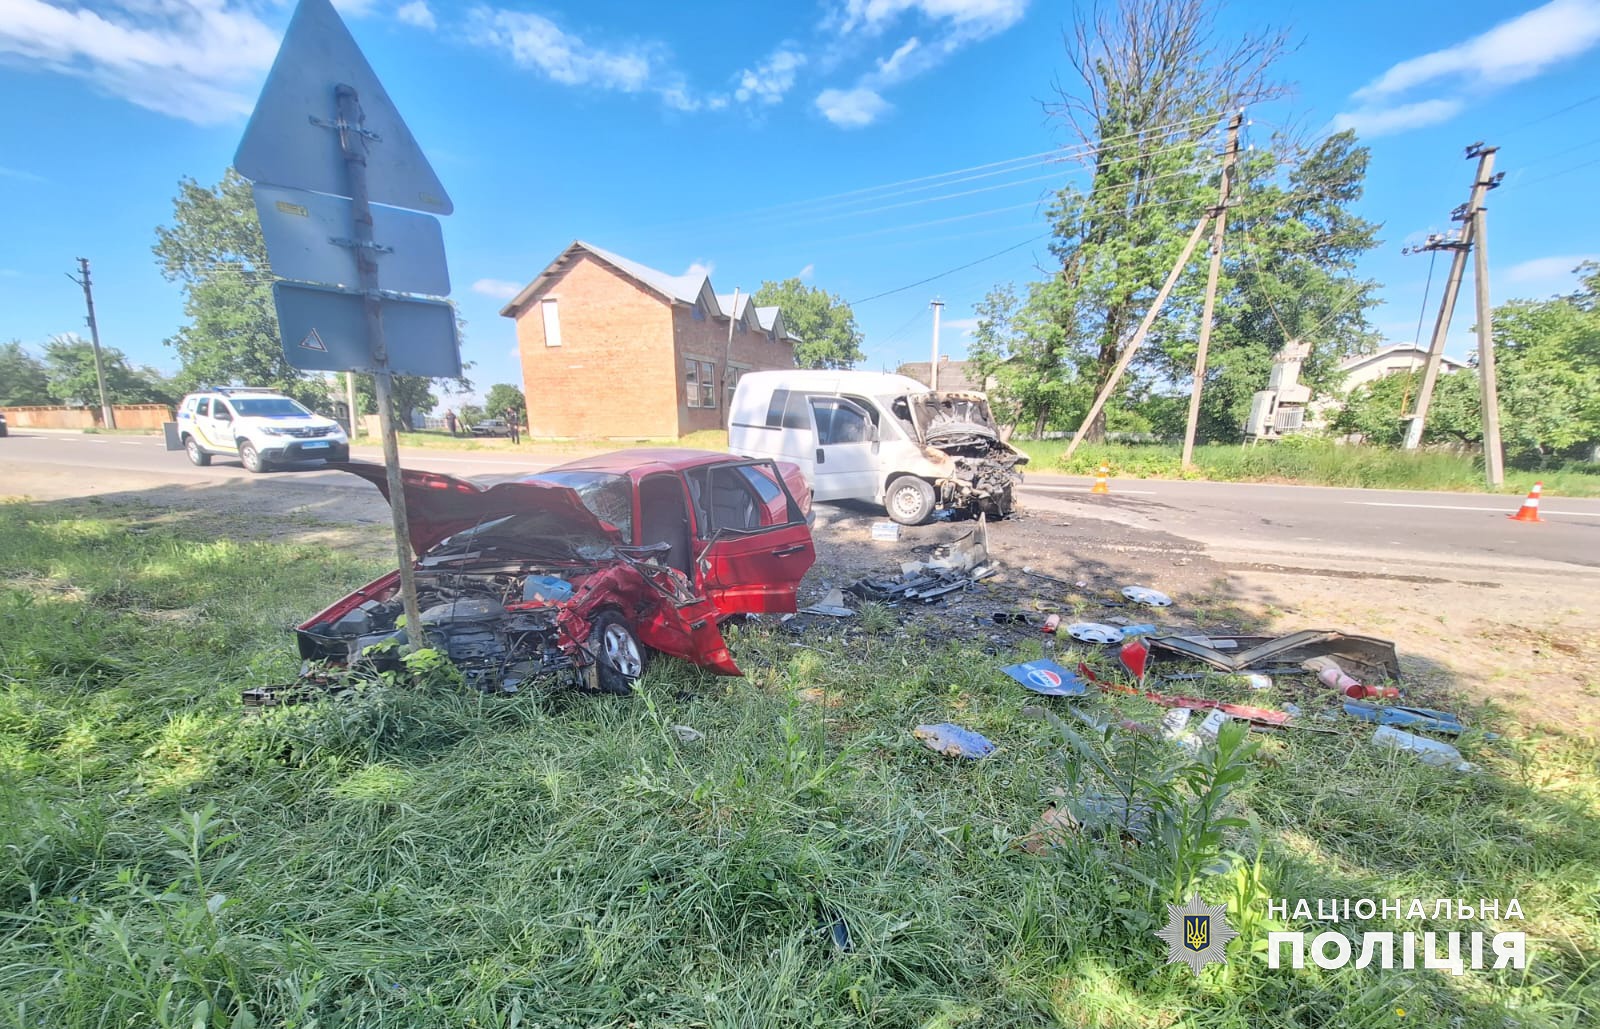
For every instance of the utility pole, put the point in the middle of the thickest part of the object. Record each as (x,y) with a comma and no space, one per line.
(1488,388)
(933,369)
(107,416)
(350,403)
(727,364)
(1484,181)
(1221,216)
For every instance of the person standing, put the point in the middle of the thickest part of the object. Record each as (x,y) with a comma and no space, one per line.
(450,421)
(512,422)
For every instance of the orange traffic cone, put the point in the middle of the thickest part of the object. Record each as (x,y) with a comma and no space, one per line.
(1529,511)
(1100,480)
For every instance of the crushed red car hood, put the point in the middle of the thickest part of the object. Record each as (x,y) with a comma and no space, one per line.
(439,506)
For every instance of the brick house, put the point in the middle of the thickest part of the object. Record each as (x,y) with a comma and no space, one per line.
(613,349)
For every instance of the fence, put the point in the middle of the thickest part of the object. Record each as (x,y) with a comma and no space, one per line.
(129,416)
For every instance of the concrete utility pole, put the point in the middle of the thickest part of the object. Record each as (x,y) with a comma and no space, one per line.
(1488,388)
(1221,215)
(1482,183)
(933,369)
(350,404)
(108,417)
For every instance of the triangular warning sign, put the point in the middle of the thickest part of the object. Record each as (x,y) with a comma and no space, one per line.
(291,139)
(313,342)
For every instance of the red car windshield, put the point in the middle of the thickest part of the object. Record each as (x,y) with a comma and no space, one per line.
(608,497)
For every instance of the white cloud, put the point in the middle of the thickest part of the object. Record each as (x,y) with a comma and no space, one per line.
(1512,51)
(947,26)
(418,13)
(1554,272)
(199,60)
(973,16)
(852,108)
(500,289)
(20,175)
(963,326)
(805,273)
(354,8)
(699,269)
(769,80)
(534,41)
(1381,121)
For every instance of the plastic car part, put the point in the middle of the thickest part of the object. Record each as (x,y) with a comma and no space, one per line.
(1094,632)
(954,741)
(1364,657)
(1147,596)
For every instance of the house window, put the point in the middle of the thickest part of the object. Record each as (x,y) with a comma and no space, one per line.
(552,323)
(731,383)
(691,381)
(698,311)
(708,384)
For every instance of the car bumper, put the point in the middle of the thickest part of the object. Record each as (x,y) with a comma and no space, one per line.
(308,450)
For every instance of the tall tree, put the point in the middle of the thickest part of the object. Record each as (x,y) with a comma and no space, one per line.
(69,364)
(1152,78)
(503,395)
(214,248)
(23,381)
(823,322)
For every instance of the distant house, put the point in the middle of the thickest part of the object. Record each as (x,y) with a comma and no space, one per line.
(613,349)
(957,376)
(1397,357)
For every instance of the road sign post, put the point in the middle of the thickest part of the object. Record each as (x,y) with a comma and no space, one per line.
(325,129)
(353,144)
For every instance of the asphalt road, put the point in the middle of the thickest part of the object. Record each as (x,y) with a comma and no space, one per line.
(1244,521)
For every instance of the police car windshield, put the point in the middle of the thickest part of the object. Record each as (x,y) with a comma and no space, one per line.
(268,407)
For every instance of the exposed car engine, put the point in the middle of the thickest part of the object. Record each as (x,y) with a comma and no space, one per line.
(985,467)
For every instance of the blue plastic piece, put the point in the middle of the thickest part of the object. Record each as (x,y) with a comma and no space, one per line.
(1412,717)
(953,740)
(1048,678)
(546,589)
(1129,631)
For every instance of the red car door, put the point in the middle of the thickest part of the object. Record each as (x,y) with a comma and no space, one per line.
(756,544)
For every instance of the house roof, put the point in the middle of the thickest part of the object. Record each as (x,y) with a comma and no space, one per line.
(1350,364)
(680,289)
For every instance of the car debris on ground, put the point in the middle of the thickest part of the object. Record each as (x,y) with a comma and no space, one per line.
(954,741)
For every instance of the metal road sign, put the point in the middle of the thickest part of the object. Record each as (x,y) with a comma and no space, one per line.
(308,238)
(289,141)
(325,330)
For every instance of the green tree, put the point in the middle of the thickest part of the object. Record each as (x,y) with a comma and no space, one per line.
(823,322)
(69,364)
(1374,411)
(1548,359)
(1152,79)
(23,381)
(503,395)
(214,248)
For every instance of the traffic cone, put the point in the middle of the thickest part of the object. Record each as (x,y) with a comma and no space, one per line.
(1100,480)
(1529,511)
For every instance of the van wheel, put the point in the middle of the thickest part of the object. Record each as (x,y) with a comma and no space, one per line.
(910,500)
(250,457)
(196,455)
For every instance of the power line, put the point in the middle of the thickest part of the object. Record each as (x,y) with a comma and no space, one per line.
(952,271)
(1546,117)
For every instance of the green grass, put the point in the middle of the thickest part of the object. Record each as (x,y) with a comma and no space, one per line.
(1310,462)
(422,858)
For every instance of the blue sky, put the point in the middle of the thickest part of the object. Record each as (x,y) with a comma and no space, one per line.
(709,134)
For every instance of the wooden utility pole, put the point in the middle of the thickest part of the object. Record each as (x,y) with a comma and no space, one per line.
(933,369)
(1221,217)
(1482,183)
(108,416)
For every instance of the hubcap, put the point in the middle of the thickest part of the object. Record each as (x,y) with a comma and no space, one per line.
(622,653)
(907,499)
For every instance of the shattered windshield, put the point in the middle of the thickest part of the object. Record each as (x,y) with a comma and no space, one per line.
(608,497)
(530,535)
(954,414)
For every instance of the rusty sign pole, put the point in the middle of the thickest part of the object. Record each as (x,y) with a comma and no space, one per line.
(1210,306)
(353,145)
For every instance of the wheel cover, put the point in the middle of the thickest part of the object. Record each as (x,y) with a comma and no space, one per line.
(907,500)
(621,652)
(192,446)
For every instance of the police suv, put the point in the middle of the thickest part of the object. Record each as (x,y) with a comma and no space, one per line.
(261,427)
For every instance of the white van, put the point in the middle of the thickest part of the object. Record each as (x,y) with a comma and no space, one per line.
(884,438)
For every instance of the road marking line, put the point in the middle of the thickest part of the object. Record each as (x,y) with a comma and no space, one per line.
(1454,507)
(1085,489)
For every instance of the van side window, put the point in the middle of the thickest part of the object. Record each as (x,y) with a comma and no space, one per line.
(203,408)
(838,424)
(780,397)
(795,415)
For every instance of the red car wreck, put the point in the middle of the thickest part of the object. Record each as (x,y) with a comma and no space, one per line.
(584,570)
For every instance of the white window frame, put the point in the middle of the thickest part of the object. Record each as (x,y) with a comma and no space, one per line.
(551,315)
